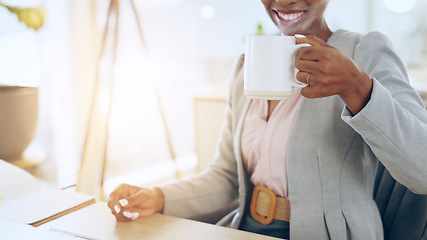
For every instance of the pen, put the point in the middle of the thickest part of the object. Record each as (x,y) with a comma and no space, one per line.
(73,234)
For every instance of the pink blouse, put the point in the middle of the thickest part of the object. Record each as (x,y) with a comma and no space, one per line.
(264,143)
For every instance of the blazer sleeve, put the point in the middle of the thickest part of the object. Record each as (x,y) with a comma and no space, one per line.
(394,122)
(214,188)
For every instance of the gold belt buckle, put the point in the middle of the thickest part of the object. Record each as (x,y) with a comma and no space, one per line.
(265,220)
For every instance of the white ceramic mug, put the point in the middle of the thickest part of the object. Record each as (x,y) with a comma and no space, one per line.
(269,67)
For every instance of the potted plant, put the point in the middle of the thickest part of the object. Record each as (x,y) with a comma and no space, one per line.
(31,17)
(19,104)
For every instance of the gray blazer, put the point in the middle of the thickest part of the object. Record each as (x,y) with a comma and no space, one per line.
(332,155)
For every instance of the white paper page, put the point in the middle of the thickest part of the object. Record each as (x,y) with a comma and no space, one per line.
(41,204)
(15,182)
(11,230)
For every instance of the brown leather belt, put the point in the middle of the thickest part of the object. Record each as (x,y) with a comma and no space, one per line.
(266,206)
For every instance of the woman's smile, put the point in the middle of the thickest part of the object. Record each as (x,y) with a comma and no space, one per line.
(291,15)
(299,17)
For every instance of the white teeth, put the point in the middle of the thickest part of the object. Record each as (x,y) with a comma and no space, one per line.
(290,17)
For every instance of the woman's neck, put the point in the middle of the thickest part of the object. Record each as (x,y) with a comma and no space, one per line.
(321,31)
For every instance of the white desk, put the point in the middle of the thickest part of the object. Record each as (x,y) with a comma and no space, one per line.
(97,222)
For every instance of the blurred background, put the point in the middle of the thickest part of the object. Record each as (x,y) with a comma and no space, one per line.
(169,88)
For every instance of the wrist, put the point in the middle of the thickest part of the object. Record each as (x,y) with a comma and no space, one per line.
(358,97)
(160,200)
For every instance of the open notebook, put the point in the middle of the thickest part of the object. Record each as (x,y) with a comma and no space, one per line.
(24,200)
(12,230)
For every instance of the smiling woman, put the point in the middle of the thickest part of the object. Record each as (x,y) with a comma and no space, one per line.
(334,145)
(309,160)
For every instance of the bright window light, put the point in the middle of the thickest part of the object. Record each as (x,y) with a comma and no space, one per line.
(207,12)
(399,6)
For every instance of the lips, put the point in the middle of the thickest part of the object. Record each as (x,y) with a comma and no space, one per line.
(289,15)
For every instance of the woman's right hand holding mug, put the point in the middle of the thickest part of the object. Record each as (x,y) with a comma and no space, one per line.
(128,202)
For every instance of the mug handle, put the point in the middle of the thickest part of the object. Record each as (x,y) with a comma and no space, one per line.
(294,82)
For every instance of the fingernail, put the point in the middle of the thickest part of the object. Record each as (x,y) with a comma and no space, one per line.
(123,202)
(127,214)
(135,215)
(299,36)
(116,208)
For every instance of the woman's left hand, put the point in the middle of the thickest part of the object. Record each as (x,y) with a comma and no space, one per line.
(329,71)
